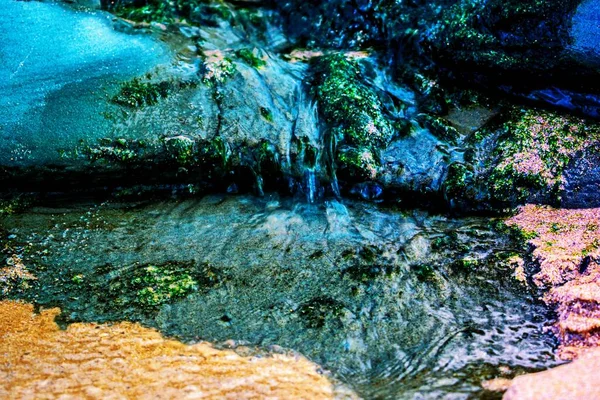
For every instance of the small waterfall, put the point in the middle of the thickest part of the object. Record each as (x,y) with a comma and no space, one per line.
(310,185)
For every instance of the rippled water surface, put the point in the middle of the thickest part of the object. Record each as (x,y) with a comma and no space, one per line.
(396,304)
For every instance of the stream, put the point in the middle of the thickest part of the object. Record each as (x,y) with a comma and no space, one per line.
(395,303)
(318,244)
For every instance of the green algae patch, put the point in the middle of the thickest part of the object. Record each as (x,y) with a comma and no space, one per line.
(139,93)
(15,204)
(317,312)
(168,12)
(251,57)
(440,128)
(353,111)
(459,180)
(163,284)
(534,149)
(149,286)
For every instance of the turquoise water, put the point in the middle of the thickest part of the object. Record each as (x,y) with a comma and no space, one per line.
(57,68)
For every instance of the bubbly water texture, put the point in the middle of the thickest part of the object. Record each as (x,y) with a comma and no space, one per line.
(381,297)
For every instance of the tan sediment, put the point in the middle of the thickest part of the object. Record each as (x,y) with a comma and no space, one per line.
(497,385)
(127,361)
(574,381)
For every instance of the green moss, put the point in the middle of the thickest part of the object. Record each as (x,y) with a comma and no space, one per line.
(353,110)
(163,11)
(266,114)
(251,58)
(117,150)
(457,181)
(182,149)
(149,286)
(368,273)
(534,149)
(14,205)
(423,272)
(139,93)
(440,128)
(361,162)
(152,11)
(348,104)
(466,264)
(160,285)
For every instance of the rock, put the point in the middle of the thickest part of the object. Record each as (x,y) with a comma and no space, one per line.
(531,49)
(575,381)
(122,108)
(53,87)
(582,180)
(566,247)
(230,115)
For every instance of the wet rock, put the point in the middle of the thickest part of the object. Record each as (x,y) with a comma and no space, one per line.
(521,48)
(243,121)
(566,247)
(532,156)
(582,180)
(229,114)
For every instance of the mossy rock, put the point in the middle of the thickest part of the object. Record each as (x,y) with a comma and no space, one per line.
(533,151)
(354,112)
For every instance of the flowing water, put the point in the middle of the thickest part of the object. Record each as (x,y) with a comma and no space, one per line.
(397,304)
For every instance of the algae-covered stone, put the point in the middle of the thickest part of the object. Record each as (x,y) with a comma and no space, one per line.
(353,111)
(533,152)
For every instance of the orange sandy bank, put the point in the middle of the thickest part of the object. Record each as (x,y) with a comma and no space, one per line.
(126,360)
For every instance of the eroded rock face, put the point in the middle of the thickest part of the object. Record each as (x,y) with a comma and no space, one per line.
(126,360)
(221,107)
(566,247)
